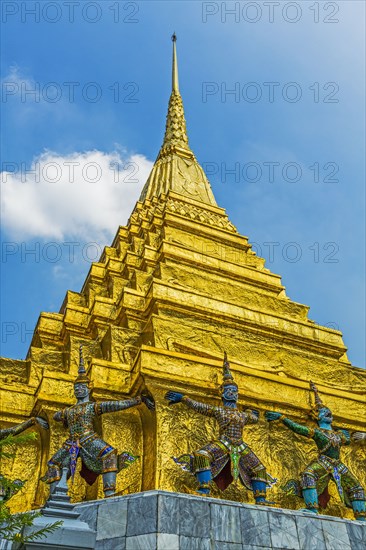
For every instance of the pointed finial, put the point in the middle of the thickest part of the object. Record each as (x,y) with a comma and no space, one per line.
(318,401)
(226,372)
(176,167)
(82,377)
(81,369)
(314,412)
(175,82)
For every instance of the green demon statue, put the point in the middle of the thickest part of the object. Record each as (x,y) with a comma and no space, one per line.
(313,486)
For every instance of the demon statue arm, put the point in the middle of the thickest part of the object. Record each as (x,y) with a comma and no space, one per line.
(251,416)
(114,406)
(299,429)
(111,406)
(60,416)
(202,408)
(19,428)
(248,416)
(305,431)
(345,435)
(313,486)
(104,407)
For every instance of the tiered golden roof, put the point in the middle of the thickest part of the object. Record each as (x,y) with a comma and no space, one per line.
(178,286)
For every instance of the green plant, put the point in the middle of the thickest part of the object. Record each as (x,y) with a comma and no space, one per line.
(12,525)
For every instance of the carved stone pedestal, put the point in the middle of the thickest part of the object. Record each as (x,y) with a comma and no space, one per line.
(74,534)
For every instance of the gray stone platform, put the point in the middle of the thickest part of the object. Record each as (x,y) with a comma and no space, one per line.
(159,520)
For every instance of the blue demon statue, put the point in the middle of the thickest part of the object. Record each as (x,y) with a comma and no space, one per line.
(97,456)
(228,457)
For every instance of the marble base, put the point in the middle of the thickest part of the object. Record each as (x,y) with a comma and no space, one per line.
(159,520)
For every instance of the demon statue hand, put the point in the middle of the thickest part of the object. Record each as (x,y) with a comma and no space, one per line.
(227,458)
(313,486)
(5,491)
(359,437)
(97,456)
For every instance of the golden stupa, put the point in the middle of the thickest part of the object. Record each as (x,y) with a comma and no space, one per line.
(177,287)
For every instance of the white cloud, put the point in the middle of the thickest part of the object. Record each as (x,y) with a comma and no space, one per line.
(24,98)
(15,84)
(84,195)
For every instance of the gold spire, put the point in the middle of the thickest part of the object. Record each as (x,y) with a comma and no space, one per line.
(176,131)
(175,80)
(176,167)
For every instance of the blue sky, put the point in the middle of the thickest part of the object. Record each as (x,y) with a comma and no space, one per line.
(284,151)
